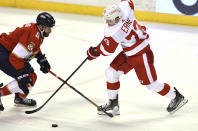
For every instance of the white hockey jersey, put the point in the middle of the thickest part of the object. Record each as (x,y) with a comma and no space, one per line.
(132,36)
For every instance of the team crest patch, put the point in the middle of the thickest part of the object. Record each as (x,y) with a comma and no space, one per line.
(30,46)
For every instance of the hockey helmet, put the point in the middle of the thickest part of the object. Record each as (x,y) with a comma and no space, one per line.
(112,12)
(45,19)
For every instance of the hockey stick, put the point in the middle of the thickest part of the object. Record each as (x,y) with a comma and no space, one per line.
(35,110)
(109,114)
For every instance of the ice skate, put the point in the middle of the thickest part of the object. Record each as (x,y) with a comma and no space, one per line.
(24,102)
(176,103)
(1,105)
(111,107)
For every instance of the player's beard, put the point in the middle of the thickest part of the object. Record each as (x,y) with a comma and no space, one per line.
(45,34)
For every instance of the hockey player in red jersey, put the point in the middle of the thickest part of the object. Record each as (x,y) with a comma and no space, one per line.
(16,50)
(124,29)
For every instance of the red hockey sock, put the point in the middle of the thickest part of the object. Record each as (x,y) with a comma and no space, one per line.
(165,90)
(22,95)
(113,86)
(5,91)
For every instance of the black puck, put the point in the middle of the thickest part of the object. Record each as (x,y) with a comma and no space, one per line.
(54,125)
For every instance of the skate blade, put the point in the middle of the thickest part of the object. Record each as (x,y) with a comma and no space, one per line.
(114,112)
(179,106)
(21,105)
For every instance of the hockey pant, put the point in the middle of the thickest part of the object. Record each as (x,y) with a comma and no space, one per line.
(144,69)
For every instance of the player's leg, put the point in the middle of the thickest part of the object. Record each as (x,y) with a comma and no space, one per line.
(8,69)
(21,98)
(118,67)
(13,86)
(113,86)
(147,75)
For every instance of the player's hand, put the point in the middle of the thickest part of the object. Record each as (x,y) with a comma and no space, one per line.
(44,64)
(92,53)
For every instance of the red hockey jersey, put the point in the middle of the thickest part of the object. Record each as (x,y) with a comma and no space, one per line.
(23,43)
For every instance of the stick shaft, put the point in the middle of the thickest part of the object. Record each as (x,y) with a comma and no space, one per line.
(79,93)
(35,110)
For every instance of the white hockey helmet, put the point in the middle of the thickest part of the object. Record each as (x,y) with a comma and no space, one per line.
(112,12)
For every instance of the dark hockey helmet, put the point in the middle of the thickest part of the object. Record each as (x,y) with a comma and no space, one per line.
(45,19)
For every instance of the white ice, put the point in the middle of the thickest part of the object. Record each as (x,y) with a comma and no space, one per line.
(175,49)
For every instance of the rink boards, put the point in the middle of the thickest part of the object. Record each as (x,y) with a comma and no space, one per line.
(143,11)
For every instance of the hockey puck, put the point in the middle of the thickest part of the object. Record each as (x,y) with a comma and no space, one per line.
(54,125)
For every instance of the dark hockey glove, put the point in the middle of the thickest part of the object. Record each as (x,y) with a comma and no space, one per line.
(44,64)
(23,80)
(92,53)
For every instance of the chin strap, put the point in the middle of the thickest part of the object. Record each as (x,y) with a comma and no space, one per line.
(41,31)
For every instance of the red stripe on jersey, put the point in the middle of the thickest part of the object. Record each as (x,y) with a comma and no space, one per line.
(16,62)
(109,45)
(165,90)
(131,4)
(133,46)
(113,86)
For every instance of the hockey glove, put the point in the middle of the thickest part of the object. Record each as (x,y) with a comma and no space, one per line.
(23,79)
(44,64)
(92,53)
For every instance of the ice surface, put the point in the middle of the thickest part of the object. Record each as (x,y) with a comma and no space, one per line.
(175,49)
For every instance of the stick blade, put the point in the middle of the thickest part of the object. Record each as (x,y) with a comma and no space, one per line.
(30,112)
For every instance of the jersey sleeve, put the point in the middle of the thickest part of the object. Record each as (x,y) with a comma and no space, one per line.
(22,50)
(107,46)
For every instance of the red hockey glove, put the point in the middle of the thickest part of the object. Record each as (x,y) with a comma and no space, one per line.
(92,53)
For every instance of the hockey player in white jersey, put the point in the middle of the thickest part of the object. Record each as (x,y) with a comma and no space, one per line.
(124,29)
